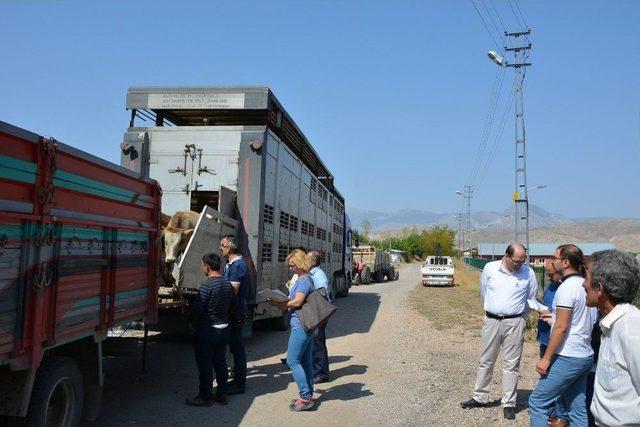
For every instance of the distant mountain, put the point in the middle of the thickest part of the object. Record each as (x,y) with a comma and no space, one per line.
(623,233)
(538,217)
(490,226)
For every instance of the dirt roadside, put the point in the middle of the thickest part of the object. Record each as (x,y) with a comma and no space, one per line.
(389,366)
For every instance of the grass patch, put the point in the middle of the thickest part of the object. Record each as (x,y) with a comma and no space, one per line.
(459,305)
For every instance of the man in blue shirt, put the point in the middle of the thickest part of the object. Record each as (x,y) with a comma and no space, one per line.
(237,272)
(544,329)
(320,356)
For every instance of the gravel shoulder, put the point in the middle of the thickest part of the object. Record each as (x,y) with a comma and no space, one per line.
(389,365)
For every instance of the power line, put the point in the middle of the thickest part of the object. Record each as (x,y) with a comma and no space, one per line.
(495,94)
(504,27)
(492,21)
(498,137)
(521,15)
(486,26)
(516,15)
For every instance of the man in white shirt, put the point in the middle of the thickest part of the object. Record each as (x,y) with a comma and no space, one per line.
(612,283)
(568,359)
(505,286)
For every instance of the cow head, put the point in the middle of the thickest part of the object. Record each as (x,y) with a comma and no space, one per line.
(175,242)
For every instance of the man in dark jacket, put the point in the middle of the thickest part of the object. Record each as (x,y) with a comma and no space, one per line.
(213,307)
(237,272)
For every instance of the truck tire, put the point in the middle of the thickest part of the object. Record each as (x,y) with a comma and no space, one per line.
(378,276)
(281,323)
(57,395)
(365,276)
(391,274)
(397,276)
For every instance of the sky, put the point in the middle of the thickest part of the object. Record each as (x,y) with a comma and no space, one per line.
(393,95)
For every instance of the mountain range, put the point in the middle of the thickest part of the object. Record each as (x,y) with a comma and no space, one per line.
(491,226)
(403,218)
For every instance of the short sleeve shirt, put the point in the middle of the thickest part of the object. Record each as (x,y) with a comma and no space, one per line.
(544,329)
(571,295)
(237,271)
(304,284)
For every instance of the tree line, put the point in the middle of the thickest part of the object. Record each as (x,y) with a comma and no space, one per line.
(419,243)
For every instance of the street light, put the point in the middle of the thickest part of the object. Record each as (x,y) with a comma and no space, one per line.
(538,187)
(496,58)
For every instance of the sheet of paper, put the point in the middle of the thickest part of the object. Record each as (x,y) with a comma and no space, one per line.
(535,305)
(274,294)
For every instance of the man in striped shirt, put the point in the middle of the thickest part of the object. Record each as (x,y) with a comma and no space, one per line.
(210,316)
(612,283)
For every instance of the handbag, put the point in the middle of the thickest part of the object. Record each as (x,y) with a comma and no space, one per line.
(316,310)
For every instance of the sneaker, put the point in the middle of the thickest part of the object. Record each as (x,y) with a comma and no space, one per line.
(301,404)
(294,400)
(199,401)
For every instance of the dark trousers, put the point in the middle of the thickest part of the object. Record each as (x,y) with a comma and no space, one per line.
(236,347)
(320,356)
(591,379)
(209,347)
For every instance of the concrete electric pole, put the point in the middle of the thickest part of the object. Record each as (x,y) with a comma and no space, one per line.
(520,196)
(467,194)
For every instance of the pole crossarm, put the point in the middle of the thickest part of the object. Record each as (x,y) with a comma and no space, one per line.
(520,65)
(518,33)
(517,49)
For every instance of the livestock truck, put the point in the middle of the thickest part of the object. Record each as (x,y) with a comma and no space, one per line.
(236,156)
(77,257)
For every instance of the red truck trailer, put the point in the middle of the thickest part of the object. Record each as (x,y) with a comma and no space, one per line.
(78,255)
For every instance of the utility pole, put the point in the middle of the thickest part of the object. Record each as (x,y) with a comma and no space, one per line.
(520,195)
(459,220)
(467,194)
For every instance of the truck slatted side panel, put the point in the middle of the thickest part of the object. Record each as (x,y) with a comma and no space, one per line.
(80,254)
(10,244)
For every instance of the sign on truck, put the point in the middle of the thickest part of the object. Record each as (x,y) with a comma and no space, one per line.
(78,256)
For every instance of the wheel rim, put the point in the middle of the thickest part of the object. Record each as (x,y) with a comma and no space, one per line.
(61,403)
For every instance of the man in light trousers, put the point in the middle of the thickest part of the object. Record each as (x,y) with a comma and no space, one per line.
(505,286)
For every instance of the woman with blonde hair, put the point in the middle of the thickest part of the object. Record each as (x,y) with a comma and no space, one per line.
(300,347)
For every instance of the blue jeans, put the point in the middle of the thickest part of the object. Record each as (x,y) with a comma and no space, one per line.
(300,360)
(560,410)
(209,347)
(566,379)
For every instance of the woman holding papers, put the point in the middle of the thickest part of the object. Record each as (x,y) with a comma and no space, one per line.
(300,348)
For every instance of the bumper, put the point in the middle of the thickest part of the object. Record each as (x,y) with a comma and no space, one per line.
(437,280)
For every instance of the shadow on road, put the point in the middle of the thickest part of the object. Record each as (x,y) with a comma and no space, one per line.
(157,396)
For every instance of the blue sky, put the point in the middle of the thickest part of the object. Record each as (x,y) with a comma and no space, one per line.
(394,91)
